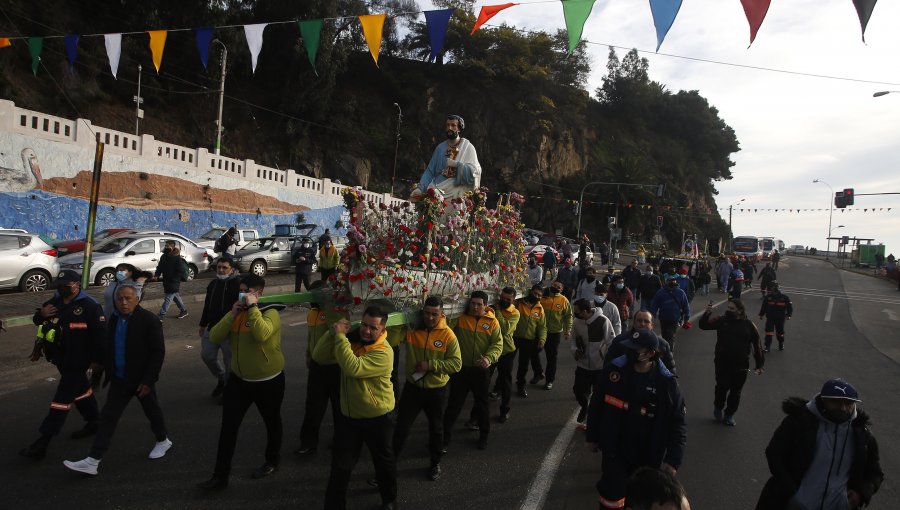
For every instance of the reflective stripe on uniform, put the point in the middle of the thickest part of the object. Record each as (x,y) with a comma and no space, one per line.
(60,407)
(86,394)
(613,401)
(606,503)
(78,325)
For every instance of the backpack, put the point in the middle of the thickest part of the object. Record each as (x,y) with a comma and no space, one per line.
(185,270)
(221,244)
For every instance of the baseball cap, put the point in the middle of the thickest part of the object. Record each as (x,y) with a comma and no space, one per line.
(839,388)
(68,276)
(642,338)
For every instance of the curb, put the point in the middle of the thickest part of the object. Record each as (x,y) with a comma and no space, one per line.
(25,320)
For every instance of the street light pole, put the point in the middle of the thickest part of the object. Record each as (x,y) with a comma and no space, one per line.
(221,98)
(137,101)
(830,212)
(730,231)
(396,147)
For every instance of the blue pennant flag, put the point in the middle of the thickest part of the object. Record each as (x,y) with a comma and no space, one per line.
(437,22)
(664,13)
(72,50)
(204,38)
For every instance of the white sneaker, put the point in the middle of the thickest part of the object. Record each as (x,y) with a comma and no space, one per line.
(87,465)
(160,449)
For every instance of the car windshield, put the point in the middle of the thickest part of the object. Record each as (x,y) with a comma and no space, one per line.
(103,234)
(114,245)
(214,234)
(264,243)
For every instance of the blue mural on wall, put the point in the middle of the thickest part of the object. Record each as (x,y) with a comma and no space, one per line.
(59,217)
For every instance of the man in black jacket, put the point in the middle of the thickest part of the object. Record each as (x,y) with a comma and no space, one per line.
(304,256)
(221,294)
(134,355)
(823,454)
(71,329)
(172,270)
(776,308)
(650,283)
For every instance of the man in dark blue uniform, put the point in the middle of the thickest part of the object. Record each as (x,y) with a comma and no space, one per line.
(71,331)
(776,308)
(636,417)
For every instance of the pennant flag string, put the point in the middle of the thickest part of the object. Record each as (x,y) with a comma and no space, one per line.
(437,23)
(756,12)
(254,34)
(113,51)
(576,13)
(157,45)
(35,44)
(72,50)
(664,13)
(372,26)
(311,32)
(488,12)
(5,42)
(203,37)
(864,9)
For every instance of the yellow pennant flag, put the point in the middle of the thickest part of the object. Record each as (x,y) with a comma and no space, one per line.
(4,42)
(157,44)
(372,25)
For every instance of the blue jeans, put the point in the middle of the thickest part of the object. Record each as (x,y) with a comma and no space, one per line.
(168,301)
(209,353)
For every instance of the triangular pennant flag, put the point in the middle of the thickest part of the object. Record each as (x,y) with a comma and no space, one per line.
(5,42)
(157,45)
(35,45)
(664,12)
(864,10)
(756,12)
(113,51)
(576,13)
(372,25)
(203,38)
(488,12)
(866,210)
(254,34)
(311,33)
(72,50)
(437,23)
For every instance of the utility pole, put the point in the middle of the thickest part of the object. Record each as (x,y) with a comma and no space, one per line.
(396,147)
(138,100)
(221,98)
(830,212)
(731,232)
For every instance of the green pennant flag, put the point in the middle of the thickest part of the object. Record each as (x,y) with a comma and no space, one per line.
(576,13)
(310,31)
(35,45)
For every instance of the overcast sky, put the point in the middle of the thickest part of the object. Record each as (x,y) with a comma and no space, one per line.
(792,129)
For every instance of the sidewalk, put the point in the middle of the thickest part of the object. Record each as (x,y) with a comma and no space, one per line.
(17,308)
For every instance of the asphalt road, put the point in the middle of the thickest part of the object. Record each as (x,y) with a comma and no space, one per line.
(536,460)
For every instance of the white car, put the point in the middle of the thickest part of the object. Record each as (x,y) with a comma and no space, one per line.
(26,262)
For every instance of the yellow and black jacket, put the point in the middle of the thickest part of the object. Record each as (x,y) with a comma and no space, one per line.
(366,387)
(478,336)
(558,312)
(316,326)
(439,348)
(508,320)
(532,321)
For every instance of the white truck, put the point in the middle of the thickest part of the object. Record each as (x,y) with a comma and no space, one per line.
(208,240)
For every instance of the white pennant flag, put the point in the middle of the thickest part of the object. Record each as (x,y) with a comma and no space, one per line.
(254,34)
(113,51)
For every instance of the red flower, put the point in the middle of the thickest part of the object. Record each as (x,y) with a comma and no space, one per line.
(357,300)
(388,292)
(430,225)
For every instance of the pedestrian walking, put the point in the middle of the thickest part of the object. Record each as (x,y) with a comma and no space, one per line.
(508,316)
(766,277)
(328,257)
(530,335)
(735,284)
(776,308)
(776,258)
(558,312)
(134,354)
(549,263)
(672,308)
(650,283)
(568,275)
(323,379)
(221,294)
(304,257)
(823,455)
(631,275)
(736,339)
(126,274)
(534,272)
(609,309)
(593,335)
(584,289)
(173,270)
(620,296)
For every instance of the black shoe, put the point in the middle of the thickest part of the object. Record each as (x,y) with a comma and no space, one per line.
(213,484)
(504,417)
(494,395)
(183,314)
(373,482)
(306,450)
(523,393)
(582,415)
(780,347)
(471,425)
(88,430)
(536,379)
(482,443)
(435,474)
(263,471)
(35,451)
(548,386)
(220,387)
(766,349)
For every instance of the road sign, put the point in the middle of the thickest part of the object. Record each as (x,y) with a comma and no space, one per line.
(139,100)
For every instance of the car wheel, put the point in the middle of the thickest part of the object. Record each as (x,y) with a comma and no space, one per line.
(258,268)
(34,281)
(192,272)
(105,278)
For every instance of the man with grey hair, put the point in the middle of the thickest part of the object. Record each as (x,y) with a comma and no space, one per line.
(454,168)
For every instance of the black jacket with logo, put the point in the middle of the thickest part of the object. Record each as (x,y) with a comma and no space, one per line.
(82,329)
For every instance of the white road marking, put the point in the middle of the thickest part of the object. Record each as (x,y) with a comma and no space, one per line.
(296,323)
(891,315)
(699,314)
(828,311)
(543,480)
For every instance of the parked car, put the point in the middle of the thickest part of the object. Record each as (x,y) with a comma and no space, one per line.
(195,254)
(26,262)
(538,251)
(76,245)
(267,254)
(796,249)
(208,240)
(140,250)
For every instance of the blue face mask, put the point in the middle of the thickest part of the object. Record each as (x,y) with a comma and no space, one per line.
(120,276)
(620,286)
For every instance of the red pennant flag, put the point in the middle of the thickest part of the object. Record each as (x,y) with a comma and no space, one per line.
(756,12)
(488,12)
(4,42)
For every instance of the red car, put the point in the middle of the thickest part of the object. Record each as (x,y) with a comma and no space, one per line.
(538,252)
(76,245)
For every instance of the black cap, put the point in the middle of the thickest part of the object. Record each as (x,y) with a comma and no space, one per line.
(839,388)
(68,276)
(642,338)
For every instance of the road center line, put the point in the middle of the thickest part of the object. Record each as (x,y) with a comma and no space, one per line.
(828,311)
(699,314)
(543,479)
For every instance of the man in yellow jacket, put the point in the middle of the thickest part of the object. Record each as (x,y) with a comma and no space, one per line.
(480,345)
(323,382)
(530,335)
(559,320)
(508,316)
(367,396)
(432,355)
(257,377)
(328,257)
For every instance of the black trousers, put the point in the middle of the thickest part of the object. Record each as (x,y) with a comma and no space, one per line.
(729,383)
(668,330)
(612,482)
(528,347)
(551,349)
(349,436)
(395,373)
(73,389)
(774,326)
(468,379)
(300,279)
(326,273)
(117,399)
(413,400)
(584,385)
(237,398)
(323,386)
(504,379)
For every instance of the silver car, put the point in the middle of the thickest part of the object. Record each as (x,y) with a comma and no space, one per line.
(26,262)
(265,254)
(140,250)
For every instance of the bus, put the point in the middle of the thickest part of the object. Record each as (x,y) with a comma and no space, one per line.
(769,244)
(748,246)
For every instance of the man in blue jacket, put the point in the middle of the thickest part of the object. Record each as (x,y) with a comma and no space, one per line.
(671,306)
(636,417)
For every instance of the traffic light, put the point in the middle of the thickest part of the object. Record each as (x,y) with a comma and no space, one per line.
(659,221)
(848,196)
(845,240)
(839,200)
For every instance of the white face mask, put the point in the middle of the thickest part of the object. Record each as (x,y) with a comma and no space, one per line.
(222,276)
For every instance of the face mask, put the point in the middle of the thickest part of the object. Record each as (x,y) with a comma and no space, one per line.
(600,300)
(503,305)
(222,276)
(632,356)
(650,272)
(554,290)
(730,315)
(531,299)
(589,278)
(167,250)
(120,276)
(673,284)
(837,416)
(64,291)
(620,286)
(452,135)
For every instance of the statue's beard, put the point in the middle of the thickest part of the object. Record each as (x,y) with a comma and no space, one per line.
(452,135)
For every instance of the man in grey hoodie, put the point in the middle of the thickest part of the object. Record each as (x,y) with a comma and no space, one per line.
(823,455)
(593,334)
